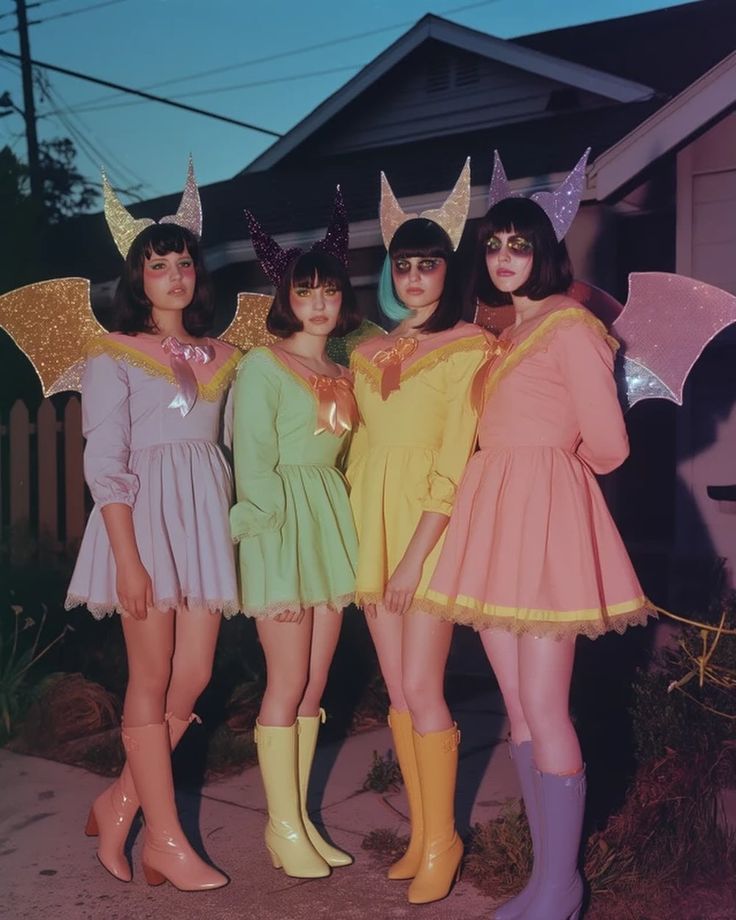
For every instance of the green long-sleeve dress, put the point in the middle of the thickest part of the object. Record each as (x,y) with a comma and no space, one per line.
(292,520)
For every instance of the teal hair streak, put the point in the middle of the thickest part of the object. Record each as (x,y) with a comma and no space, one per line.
(389,303)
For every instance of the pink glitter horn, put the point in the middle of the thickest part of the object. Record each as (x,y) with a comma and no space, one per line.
(560,206)
(275,260)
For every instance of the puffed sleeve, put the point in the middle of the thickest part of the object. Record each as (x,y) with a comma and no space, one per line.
(106,426)
(458,438)
(586,361)
(261,501)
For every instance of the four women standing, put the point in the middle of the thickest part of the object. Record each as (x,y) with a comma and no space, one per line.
(531,557)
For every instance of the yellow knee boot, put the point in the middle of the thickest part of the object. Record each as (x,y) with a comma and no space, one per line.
(308,729)
(286,837)
(442,849)
(402,732)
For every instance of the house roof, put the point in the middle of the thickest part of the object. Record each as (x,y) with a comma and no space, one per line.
(295,195)
(666,49)
(430,27)
(690,112)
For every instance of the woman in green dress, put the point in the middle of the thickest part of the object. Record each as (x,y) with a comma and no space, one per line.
(294,411)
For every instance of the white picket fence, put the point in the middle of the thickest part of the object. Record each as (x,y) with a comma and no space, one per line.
(42,492)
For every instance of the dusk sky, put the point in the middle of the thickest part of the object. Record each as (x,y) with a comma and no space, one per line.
(268,64)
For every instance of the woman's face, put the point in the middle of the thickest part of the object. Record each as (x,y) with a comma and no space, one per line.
(419,280)
(317,308)
(509,259)
(169,281)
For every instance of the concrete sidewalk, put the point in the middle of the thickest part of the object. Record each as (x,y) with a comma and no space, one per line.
(49,869)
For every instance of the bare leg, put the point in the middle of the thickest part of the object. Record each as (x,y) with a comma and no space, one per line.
(194,653)
(502,650)
(326,625)
(287,646)
(425,647)
(150,648)
(386,630)
(545,672)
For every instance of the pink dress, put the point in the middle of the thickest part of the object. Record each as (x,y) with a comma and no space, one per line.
(531,546)
(167,467)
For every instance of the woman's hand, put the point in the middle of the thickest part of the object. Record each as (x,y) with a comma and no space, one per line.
(290,616)
(370,611)
(401,586)
(135,590)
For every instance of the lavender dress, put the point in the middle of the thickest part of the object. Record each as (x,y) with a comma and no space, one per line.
(167,467)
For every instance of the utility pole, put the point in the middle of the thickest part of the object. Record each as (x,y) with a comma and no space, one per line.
(29,107)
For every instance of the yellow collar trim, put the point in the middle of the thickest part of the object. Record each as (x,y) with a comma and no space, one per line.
(537,339)
(372,373)
(210,391)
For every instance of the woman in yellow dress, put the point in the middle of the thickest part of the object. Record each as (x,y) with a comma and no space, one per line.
(417,433)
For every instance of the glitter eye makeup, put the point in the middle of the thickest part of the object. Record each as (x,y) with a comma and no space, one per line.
(516,243)
(426,266)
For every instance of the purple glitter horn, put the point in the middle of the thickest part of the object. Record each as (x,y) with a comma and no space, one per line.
(336,240)
(560,206)
(275,260)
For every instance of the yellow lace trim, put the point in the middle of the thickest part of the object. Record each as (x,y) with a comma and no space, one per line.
(269,611)
(211,391)
(592,622)
(537,340)
(373,374)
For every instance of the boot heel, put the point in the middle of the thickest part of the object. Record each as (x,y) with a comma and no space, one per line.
(576,915)
(274,859)
(153,876)
(91,829)
(460,872)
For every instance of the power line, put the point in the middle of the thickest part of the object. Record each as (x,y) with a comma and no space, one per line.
(143,95)
(77,10)
(103,107)
(100,152)
(303,49)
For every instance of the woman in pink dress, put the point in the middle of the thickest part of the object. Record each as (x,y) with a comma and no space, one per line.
(532,557)
(157,546)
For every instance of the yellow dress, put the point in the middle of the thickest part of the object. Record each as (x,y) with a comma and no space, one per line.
(412,444)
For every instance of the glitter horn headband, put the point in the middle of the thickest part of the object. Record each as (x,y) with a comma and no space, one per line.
(560,206)
(275,260)
(125,228)
(451,216)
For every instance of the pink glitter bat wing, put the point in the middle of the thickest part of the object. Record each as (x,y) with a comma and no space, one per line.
(664,328)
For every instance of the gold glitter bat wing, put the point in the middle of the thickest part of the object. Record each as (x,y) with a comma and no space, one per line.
(248,328)
(52,323)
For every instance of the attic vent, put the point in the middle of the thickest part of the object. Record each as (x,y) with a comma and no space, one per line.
(446,73)
(438,77)
(467,72)
(561,100)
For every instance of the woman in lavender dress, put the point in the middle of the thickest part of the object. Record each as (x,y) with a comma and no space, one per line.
(157,547)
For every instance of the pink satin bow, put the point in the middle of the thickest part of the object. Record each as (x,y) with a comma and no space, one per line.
(181,356)
(389,360)
(337,410)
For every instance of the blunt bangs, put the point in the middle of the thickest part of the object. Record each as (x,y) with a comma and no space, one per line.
(551,269)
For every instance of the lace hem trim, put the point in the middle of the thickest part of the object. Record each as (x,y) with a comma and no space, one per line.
(610,621)
(373,374)
(210,391)
(538,340)
(227,607)
(269,611)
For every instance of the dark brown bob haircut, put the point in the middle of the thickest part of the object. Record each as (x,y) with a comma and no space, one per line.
(551,270)
(311,270)
(424,239)
(131,307)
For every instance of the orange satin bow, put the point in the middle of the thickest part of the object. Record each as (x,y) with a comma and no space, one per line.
(495,348)
(389,360)
(337,410)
